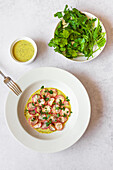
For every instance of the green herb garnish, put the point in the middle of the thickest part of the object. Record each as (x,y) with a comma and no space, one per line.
(46,99)
(45,118)
(42,87)
(63,108)
(39,101)
(67,99)
(44,96)
(54,103)
(32,103)
(51,92)
(57,108)
(48,123)
(65,115)
(76,34)
(43,105)
(46,91)
(58,115)
(32,119)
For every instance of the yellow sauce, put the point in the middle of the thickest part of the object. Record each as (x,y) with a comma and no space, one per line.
(23,50)
(27,115)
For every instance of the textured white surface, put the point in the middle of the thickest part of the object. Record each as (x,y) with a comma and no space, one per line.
(34,18)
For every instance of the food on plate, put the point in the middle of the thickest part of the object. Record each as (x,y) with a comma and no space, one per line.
(47,110)
(77,35)
(23,50)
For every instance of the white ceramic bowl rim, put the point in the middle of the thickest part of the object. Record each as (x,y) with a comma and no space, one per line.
(27,39)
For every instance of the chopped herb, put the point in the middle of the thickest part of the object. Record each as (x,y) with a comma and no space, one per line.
(54,103)
(41,112)
(44,96)
(45,118)
(32,119)
(46,112)
(39,101)
(46,99)
(51,92)
(71,112)
(67,99)
(63,108)
(67,111)
(65,115)
(42,87)
(57,108)
(58,115)
(43,105)
(55,120)
(46,91)
(48,123)
(32,103)
(26,110)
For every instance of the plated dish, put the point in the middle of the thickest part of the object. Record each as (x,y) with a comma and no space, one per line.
(79,36)
(47,110)
(74,127)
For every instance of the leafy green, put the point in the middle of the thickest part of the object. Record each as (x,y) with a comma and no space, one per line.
(76,34)
(42,87)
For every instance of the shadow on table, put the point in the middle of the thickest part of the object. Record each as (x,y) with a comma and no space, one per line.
(96,104)
(41,48)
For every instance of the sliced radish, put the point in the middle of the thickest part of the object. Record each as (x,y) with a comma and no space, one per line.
(43,92)
(62,119)
(31,106)
(66,111)
(47,108)
(59,126)
(41,117)
(66,103)
(37,109)
(33,120)
(54,92)
(32,112)
(41,102)
(52,127)
(38,125)
(35,98)
(56,109)
(59,98)
(51,101)
(44,126)
(53,118)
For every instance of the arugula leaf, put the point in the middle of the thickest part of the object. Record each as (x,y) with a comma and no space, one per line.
(58,14)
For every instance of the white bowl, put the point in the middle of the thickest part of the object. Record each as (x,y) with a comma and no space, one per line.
(84,59)
(27,39)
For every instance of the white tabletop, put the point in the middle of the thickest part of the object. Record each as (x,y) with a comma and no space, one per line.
(35,19)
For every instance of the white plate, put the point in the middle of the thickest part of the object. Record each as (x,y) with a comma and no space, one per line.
(84,59)
(74,128)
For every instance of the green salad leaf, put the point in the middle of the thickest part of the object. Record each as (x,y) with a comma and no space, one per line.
(76,34)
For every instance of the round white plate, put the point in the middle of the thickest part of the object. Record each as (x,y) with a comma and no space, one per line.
(74,128)
(84,59)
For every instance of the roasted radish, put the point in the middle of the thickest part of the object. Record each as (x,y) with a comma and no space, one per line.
(35,98)
(31,106)
(58,126)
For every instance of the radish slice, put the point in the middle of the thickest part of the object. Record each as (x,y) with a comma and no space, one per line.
(41,117)
(37,109)
(66,103)
(33,120)
(53,118)
(31,106)
(56,109)
(54,94)
(59,126)
(47,108)
(41,101)
(35,98)
(62,119)
(32,112)
(38,125)
(44,126)
(60,98)
(52,127)
(66,111)
(51,101)
(44,92)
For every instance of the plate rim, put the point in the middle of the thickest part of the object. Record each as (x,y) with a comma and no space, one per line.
(23,131)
